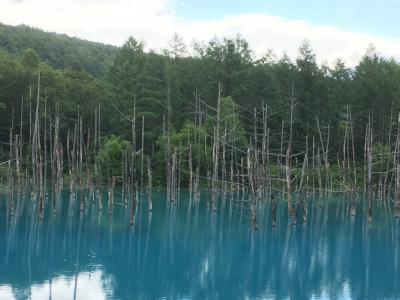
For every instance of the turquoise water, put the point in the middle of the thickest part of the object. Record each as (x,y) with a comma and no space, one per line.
(187,252)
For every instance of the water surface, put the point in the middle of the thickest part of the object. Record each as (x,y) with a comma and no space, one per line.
(185,251)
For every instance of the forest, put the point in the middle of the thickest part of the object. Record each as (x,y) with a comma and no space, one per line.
(178,91)
(183,149)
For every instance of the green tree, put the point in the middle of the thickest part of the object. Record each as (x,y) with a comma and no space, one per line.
(376,91)
(30,59)
(111,153)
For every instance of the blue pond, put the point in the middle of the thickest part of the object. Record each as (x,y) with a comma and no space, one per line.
(184,251)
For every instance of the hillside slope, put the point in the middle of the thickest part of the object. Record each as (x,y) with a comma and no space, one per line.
(58,50)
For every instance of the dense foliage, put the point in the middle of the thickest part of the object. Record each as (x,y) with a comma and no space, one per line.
(58,50)
(129,83)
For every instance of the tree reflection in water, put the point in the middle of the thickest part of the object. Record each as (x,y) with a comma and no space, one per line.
(188,252)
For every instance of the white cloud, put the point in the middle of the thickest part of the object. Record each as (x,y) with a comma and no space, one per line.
(109,21)
(281,35)
(154,21)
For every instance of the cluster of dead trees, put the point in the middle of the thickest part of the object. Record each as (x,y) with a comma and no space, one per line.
(251,175)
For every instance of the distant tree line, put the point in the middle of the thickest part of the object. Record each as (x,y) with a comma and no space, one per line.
(165,89)
(58,50)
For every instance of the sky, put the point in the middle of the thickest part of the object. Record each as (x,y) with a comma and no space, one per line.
(335,28)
